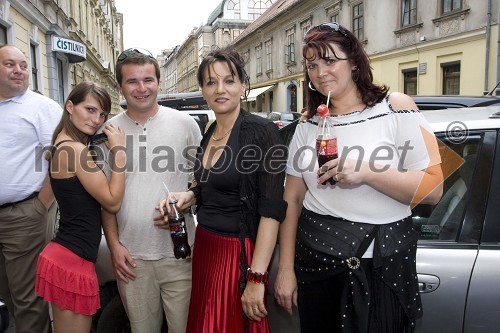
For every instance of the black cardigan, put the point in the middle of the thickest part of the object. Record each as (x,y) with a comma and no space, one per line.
(263,156)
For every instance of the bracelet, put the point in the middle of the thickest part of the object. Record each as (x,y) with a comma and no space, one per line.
(256,277)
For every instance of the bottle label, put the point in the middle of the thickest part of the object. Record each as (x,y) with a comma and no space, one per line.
(327,147)
(177,226)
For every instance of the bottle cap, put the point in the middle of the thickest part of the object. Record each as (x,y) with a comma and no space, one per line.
(322,110)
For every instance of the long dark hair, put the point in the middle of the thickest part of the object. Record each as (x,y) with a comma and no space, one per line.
(77,96)
(232,58)
(321,40)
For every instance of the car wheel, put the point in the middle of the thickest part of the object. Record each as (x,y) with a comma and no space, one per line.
(113,318)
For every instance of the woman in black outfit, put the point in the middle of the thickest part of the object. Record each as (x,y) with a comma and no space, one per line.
(239,175)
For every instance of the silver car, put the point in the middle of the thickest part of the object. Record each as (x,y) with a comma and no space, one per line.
(458,257)
(281,119)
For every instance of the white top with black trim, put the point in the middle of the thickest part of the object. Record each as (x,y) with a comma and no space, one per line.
(379,134)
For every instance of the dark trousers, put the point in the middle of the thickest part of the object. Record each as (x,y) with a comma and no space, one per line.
(320,312)
(24,230)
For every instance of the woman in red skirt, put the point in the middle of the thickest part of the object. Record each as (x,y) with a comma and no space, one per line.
(239,174)
(66,267)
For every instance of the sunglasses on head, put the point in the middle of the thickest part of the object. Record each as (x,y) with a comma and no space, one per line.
(328,26)
(125,54)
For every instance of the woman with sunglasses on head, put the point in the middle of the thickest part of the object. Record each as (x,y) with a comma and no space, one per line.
(66,274)
(239,174)
(348,246)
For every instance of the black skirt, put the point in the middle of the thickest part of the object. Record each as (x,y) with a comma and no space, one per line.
(329,248)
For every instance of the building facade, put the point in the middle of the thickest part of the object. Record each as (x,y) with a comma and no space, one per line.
(224,24)
(163,62)
(187,64)
(66,42)
(169,72)
(415,46)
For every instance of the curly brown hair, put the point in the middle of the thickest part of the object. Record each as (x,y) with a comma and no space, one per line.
(321,40)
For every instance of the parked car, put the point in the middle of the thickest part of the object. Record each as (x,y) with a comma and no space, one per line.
(260,114)
(202,117)
(450,102)
(458,257)
(439,102)
(283,119)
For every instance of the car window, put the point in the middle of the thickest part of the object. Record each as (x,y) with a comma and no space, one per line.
(201,120)
(287,116)
(443,220)
(273,116)
(260,114)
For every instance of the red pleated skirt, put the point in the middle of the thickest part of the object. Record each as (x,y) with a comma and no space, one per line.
(215,305)
(67,280)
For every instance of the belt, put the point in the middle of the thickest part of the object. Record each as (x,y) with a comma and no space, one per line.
(8,204)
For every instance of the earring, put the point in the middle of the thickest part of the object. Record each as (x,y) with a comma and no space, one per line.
(355,74)
(311,86)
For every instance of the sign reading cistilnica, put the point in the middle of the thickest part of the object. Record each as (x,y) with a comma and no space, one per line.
(75,51)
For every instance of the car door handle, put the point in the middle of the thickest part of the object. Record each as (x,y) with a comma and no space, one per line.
(427,283)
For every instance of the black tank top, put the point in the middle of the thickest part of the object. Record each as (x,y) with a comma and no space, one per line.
(80,217)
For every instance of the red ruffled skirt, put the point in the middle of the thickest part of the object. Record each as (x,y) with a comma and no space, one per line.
(215,305)
(67,280)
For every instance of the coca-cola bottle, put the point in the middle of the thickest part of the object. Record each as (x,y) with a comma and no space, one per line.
(326,141)
(178,231)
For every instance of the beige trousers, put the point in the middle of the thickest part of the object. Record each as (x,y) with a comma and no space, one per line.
(161,286)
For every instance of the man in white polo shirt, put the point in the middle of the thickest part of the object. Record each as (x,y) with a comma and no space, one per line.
(27,123)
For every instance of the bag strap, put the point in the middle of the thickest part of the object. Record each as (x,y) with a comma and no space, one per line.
(63,141)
